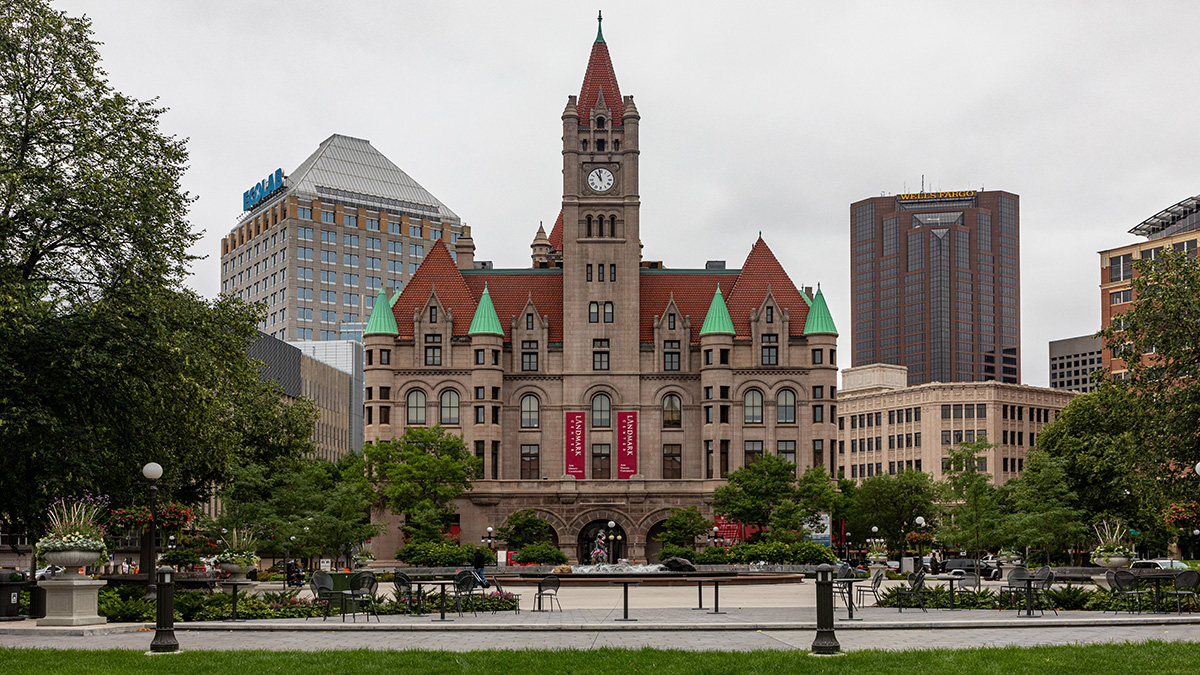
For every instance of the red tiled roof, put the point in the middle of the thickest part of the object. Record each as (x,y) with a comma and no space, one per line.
(511,291)
(437,273)
(600,78)
(760,273)
(692,291)
(556,233)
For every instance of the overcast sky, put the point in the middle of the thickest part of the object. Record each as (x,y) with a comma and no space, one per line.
(755,116)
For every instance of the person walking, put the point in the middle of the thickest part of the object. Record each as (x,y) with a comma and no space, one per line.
(480,561)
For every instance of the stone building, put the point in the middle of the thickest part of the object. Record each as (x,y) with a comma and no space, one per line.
(594,385)
(885,426)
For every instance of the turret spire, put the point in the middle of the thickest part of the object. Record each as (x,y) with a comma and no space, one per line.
(599,21)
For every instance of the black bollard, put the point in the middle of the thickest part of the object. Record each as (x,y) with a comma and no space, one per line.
(826,643)
(164,641)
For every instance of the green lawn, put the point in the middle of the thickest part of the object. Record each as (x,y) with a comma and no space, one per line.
(1152,657)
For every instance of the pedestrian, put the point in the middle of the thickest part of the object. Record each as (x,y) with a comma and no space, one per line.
(477,566)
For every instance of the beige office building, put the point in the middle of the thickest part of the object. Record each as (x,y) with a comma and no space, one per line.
(885,426)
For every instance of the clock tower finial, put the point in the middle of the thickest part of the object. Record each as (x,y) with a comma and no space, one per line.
(599,31)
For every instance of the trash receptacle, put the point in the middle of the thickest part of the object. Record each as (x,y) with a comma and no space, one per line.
(10,599)
(37,602)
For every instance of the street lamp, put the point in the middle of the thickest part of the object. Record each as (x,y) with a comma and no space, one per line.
(488,538)
(846,545)
(920,562)
(152,472)
(613,540)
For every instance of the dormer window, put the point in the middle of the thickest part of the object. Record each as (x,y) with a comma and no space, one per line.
(433,315)
(599,122)
(770,314)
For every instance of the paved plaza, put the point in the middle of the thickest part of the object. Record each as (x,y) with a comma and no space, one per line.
(755,617)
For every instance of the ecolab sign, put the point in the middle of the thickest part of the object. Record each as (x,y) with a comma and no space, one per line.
(259,192)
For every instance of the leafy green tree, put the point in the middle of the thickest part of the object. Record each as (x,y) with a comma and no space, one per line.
(419,475)
(105,362)
(682,528)
(893,503)
(1099,437)
(1042,512)
(523,527)
(90,193)
(973,521)
(754,492)
(1158,338)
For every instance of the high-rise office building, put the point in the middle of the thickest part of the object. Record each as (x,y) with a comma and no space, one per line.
(1072,361)
(937,285)
(317,245)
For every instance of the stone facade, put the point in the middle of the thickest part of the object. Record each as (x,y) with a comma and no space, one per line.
(596,386)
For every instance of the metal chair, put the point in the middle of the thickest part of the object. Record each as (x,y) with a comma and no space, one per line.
(1015,583)
(872,588)
(968,581)
(1041,590)
(916,588)
(548,588)
(362,590)
(1129,588)
(501,591)
(321,585)
(1185,586)
(464,589)
(404,591)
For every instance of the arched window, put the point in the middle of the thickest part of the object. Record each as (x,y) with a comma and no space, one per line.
(599,122)
(672,412)
(449,407)
(608,312)
(786,406)
(753,408)
(593,312)
(601,411)
(530,411)
(589,227)
(416,407)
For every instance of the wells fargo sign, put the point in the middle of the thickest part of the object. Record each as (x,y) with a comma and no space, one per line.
(914,196)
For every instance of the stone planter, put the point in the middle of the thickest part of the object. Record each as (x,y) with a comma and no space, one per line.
(1112,562)
(236,572)
(71,560)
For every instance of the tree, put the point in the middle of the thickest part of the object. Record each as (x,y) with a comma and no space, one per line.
(1157,338)
(523,528)
(974,518)
(1042,512)
(755,491)
(893,503)
(89,186)
(105,363)
(419,475)
(1100,439)
(683,526)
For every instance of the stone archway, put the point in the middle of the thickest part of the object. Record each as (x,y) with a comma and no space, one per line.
(598,543)
(653,546)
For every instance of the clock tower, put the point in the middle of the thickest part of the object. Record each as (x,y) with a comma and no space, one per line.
(601,243)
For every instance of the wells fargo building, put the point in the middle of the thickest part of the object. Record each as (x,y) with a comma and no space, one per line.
(596,386)
(937,287)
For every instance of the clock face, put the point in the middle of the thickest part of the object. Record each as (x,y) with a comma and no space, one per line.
(600,180)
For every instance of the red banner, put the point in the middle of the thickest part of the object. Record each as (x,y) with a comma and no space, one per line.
(574,445)
(627,461)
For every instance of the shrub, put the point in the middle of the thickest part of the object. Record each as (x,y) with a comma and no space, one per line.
(769,551)
(675,551)
(713,555)
(179,557)
(541,553)
(1070,597)
(436,554)
(811,553)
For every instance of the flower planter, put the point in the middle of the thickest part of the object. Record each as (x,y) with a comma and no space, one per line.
(71,559)
(236,572)
(1111,562)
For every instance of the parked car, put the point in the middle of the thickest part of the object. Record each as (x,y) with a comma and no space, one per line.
(960,566)
(48,571)
(893,565)
(1160,564)
(995,561)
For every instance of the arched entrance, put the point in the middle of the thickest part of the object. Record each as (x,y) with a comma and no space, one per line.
(599,543)
(653,546)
